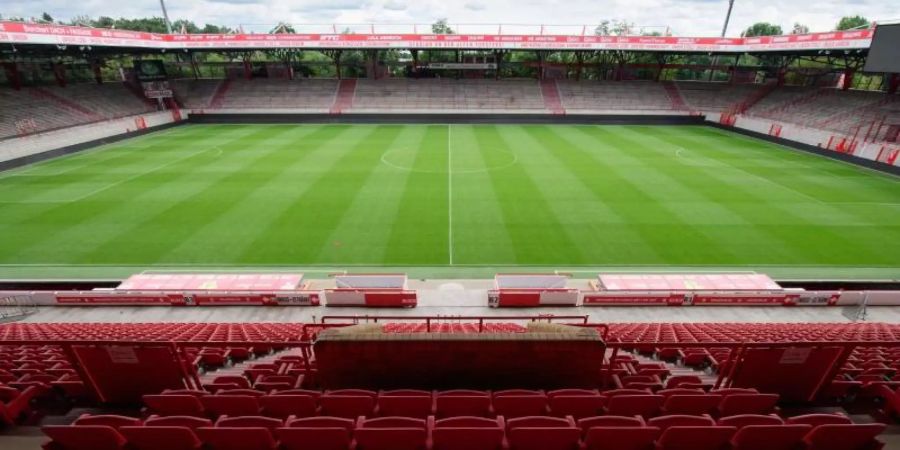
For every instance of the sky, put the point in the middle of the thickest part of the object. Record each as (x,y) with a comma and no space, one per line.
(684,17)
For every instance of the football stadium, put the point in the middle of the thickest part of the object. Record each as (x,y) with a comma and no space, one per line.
(402,232)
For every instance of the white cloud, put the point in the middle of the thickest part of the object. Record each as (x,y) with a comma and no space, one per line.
(684,17)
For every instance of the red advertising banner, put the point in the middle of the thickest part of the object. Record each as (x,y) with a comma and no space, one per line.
(26,33)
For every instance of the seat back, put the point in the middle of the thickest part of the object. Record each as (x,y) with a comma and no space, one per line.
(845,437)
(230,405)
(735,404)
(268,423)
(544,438)
(391,433)
(223,438)
(175,405)
(743,420)
(696,438)
(634,405)
(109,420)
(178,421)
(84,437)
(318,438)
(349,406)
(680,420)
(691,404)
(577,405)
(467,438)
(405,405)
(462,405)
(770,437)
(283,406)
(520,405)
(819,419)
(621,438)
(161,437)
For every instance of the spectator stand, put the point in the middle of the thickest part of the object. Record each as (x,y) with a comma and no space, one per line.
(386,290)
(200,289)
(530,290)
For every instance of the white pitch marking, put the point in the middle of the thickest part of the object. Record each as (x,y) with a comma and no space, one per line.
(449,193)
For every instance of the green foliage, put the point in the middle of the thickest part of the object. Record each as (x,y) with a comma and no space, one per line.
(799,28)
(852,22)
(441,27)
(763,29)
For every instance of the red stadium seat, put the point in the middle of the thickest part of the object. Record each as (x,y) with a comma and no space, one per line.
(743,420)
(174,405)
(391,433)
(691,404)
(230,405)
(621,438)
(678,380)
(419,405)
(14,403)
(462,403)
(770,437)
(161,438)
(845,437)
(542,433)
(268,423)
(178,421)
(467,433)
(83,437)
(735,404)
(511,404)
(819,419)
(108,420)
(666,422)
(284,406)
(695,438)
(576,403)
(634,405)
(240,381)
(319,433)
(348,406)
(220,438)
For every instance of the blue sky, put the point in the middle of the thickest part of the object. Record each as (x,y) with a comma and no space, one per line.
(685,17)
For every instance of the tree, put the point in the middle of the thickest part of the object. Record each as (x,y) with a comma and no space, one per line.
(763,29)
(602,29)
(852,22)
(441,27)
(799,28)
(283,28)
(45,18)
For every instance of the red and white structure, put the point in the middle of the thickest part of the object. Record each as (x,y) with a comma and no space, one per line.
(199,289)
(371,290)
(691,289)
(528,290)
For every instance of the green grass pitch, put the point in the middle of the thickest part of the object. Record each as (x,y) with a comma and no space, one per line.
(493,196)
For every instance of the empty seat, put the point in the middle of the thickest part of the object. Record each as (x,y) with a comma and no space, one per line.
(695,438)
(240,381)
(161,438)
(691,404)
(349,406)
(230,405)
(467,433)
(620,437)
(284,406)
(743,420)
(178,421)
(83,437)
(678,380)
(222,438)
(405,405)
(845,437)
(391,433)
(268,423)
(174,405)
(666,422)
(733,405)
(819,419)
(542,433)
(517,403)
(108,420)
(634,405)
(319,433)
(770,437)
(575,403)
(462,403)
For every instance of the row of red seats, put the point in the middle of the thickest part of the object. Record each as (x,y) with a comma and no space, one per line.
(352,403)
(28,372)
(688,333)
(194,332)
(444,327)
(816,432)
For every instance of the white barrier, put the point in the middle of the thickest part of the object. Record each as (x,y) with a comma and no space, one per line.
(39,143)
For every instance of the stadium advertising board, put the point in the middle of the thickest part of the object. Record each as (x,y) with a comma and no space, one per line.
(25,33)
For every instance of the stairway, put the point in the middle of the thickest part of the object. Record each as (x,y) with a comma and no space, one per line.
(552,99)
(68,104)
(675,97)
(754,98)
(343,98)
(675,370)
(219,97)
(239,368)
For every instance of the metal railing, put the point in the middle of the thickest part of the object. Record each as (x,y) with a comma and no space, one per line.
(16,307)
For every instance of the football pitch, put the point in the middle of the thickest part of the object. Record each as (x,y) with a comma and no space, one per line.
(444,199)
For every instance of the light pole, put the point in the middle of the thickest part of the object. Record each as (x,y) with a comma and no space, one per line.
(162,4)
(724,28)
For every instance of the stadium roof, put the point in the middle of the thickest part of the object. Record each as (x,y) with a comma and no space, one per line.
(19,33)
